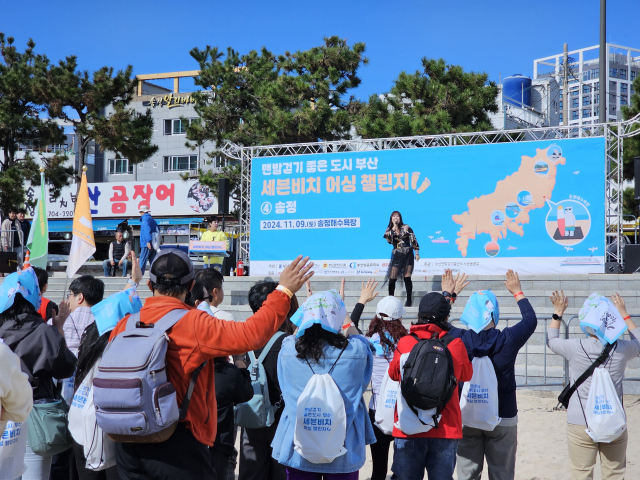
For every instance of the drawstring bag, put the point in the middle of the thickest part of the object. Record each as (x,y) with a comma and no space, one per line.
(99,450)
(604,414)
(13,446)
(321,420)
(413,420)
(479,400)
(386,404)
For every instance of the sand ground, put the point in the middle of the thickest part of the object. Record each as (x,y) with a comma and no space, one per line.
(542,445)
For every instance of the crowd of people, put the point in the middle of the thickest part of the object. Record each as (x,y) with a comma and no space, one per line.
(106,388)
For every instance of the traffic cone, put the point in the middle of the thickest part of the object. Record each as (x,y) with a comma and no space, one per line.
(26,263)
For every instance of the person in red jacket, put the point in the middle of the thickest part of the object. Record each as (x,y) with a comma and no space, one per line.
(436,449)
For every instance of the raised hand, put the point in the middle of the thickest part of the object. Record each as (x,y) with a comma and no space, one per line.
(309,291)
(618,301)
(62,315)
(560,302)
(447,283)
(296,274)
(513,283)
(342,288)
(367,293)
(461,282)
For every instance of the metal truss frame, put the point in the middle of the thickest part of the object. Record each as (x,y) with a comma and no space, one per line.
(614,134)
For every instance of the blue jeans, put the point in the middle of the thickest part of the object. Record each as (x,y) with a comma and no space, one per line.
(146,254)
(106,266)
(411,456)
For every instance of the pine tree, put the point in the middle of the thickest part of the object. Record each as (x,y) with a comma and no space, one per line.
(439,99)
(125,131)
(23,92)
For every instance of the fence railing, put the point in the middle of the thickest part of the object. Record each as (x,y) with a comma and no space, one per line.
(531,380)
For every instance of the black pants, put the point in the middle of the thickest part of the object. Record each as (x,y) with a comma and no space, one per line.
(379,451)
(220,463)
(84,473)
(256,462)
(181,457)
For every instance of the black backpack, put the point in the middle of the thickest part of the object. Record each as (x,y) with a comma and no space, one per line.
(428,380)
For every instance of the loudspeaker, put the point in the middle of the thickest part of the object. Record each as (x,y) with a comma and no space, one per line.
(636,176)
(612,267)
(631,258)
(224,190)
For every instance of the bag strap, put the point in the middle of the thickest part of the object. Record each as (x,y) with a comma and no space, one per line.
(162,325)
(267,347)
(184,406)
(589,371)
(336,362)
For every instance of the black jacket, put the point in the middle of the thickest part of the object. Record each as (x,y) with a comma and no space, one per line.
(42,350)
(233,386)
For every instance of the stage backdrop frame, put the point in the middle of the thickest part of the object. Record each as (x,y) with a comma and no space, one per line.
(613,133)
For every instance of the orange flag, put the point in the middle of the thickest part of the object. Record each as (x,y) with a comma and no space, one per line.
(83,245)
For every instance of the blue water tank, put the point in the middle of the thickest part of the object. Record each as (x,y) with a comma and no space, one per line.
(516,90)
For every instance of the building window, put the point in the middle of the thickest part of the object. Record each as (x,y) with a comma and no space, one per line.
(586,101)
(633,75)
(180,163)
(623,100)
(120,166)
(623,73)
(623,87)
(596,86)
(612,110)
(575,115)
(596,112)
(586,113)
(597,98)
(560,103)
(176,126)
(595,73)
(585,76)
(613,72)
(586,89)
(575,103)
(559,117)
(575,92)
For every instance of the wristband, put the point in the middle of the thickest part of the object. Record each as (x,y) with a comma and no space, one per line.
(628,317)
(348,326)
(285,290)
(516,294)
(132,283)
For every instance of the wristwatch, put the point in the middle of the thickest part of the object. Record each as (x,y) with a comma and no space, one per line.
(452,295)
(556,317)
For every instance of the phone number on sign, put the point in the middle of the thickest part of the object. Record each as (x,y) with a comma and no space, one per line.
(309,223)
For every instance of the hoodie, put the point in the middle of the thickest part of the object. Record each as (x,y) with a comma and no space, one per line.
(42,350)
(502,346)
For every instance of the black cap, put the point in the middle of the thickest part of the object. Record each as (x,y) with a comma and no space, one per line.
(435,305)
(171,267)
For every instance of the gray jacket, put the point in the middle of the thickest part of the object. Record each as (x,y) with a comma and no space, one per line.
(9,239)
(42,350)
(581,353)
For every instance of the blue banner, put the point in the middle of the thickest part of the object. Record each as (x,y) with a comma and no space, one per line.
(537,207)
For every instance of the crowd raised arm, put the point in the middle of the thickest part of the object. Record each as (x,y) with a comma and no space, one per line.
(293,377)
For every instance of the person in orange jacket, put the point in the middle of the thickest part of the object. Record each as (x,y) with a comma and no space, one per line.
(436,449)
(196,338)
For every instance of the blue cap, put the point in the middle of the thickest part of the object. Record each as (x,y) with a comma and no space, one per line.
(24,282)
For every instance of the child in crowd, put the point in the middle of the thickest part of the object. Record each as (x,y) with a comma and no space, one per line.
(581,353)
(318,348)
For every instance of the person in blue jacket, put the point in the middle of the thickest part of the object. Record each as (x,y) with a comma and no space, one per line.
(148,226)
(501,346)
(320,347)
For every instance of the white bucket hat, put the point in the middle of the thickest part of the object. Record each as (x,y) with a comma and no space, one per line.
(391,309)
(144,209)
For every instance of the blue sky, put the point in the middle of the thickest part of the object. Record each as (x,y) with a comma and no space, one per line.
(490,35)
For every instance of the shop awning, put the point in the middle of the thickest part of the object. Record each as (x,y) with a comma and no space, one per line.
(57,226)
(135,222)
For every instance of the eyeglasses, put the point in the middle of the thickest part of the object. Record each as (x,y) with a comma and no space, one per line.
(210,298)
(69,295)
